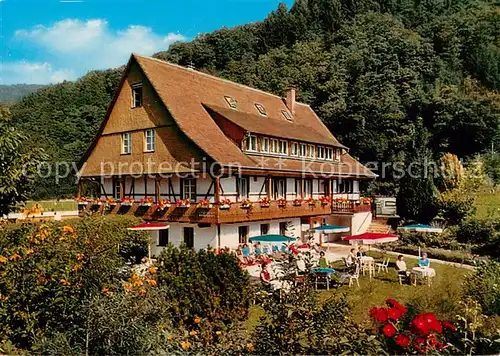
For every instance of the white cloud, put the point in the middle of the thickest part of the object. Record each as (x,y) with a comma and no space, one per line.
(23,72)
(86,45)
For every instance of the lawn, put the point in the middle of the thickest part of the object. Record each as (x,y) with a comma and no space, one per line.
(441,297)
(54,205)
(488,203)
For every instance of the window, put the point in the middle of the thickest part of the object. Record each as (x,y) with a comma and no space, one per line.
(311,151)
(302,150)
(338,152)
(274,146)
(126,143)
(298,188)
(231,102)
(264,229)
(149,140)
(251,143)
(295,149)
(163,237)
(329,154)
(345,186)
(261,109)
(137,95)
(242,234)
(188,189)
(287,115)
(117,189)
(308,188)
(283,228)
(242,187)
(279,189)
(284,147)
(321,152)
(264,144)
(189,237)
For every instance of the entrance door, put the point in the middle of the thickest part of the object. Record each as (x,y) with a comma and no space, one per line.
(189,237)
(242,234)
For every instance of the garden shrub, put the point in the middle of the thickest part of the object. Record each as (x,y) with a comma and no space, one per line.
(458,256)
(483,285)
(205,284)
(480,231)
(49,273)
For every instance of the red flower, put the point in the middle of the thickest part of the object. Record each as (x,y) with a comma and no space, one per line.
(402,340)
(449,326)
(420,345)
(431,340)
(379,314)
(420,325)
(393,313)
(393,303)
(389,330)
(433,322)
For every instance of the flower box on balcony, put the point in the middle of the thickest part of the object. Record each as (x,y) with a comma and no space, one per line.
(265,202)
(111,202)
(183,203)
(163,204)
(246,204)
(225,204)
(311,202)
(325,200)
(146,201)
(297,202)
(281,203)
(204,204)
(82,201)
(127,201)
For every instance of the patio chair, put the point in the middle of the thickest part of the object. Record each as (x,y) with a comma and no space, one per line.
(383,266)
(322,278)
(353,276)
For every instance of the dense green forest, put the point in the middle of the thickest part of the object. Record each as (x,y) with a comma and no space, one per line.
(10,94)
(377,72)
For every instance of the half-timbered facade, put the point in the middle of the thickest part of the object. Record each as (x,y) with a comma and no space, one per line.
(219,161)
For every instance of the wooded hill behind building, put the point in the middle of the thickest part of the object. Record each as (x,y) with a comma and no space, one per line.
(369,69)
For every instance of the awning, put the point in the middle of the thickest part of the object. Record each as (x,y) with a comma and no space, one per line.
(370,238)
(272,238)
(422,228)
(331,229)
(149,227)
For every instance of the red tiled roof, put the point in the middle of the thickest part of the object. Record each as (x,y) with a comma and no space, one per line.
(184,92)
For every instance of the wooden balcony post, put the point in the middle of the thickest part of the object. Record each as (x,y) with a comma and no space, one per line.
(122,188)
(269,186)
(157,189)
(217,202)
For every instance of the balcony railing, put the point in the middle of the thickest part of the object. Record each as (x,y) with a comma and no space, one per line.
(237,212)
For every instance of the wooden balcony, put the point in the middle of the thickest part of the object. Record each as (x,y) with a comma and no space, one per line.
(236,212)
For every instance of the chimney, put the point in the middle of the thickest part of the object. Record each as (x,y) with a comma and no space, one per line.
(290,99)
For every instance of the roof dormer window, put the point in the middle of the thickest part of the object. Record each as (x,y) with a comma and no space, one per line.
(261,109)
(137,95)
(287,115)
(231,102)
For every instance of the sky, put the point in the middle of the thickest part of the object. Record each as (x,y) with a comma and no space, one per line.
(48,41)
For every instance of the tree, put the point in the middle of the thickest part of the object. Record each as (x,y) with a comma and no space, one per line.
(18,165)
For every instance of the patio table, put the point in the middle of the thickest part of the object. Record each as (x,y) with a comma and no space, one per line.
(367,262)
(323,270)
(422,272)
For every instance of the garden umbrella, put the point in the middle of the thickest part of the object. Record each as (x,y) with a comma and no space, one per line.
(370,238)
(331,229)
(422,228)
(272,238)
(149,226)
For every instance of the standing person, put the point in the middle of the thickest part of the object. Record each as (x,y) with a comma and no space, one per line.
(424,261)
(265,276)
(323,262)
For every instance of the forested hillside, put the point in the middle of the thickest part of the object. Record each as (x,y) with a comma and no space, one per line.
(13,93)
(370,68)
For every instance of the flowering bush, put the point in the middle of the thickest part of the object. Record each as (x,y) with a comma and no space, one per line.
(424,333)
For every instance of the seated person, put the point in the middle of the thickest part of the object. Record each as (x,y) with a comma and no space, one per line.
(265,276)
(246,254)
(361,252)
(323,262)
(424,261)
(276,249)
(266,250)
(351,257)
(257,249)
(401,265)
(284,249)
